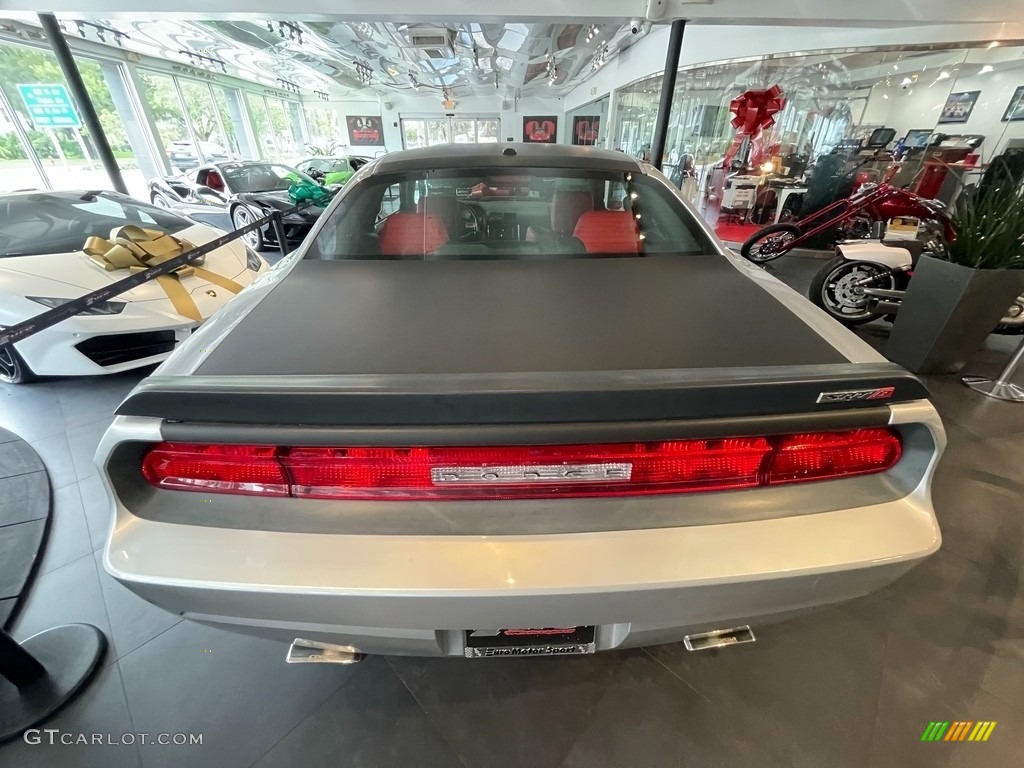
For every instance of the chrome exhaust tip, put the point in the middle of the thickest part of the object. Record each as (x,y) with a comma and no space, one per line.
(312,652)
(719,638)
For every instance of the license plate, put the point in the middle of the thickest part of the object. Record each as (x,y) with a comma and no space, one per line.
(543,641)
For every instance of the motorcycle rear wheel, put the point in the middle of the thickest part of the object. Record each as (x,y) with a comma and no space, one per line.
(832,289)
(769,243)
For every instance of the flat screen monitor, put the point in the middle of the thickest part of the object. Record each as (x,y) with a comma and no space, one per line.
(880,137)
(917,138)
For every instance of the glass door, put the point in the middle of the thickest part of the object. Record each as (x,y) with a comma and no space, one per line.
(429,131)
(439,131)
(487,131)
(414,134)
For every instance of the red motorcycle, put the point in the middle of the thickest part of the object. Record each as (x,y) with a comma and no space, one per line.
(854,215)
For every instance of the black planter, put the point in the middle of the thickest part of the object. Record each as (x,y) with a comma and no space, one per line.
(947,313)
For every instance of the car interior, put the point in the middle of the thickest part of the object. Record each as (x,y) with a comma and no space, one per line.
(499,215)
(211,177)
(259,177)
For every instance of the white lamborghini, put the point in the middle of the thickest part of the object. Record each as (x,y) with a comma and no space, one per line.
(42,265)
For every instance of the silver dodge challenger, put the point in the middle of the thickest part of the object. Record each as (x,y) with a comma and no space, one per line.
(516,400)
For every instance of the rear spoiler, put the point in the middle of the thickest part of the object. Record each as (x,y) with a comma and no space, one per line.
(521,398)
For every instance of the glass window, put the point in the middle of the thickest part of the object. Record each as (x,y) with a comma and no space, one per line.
(256,106)
(840,126)
(463,131)
(206,122)
(229,107)
(17,171)
(324,129)
(287,147)
(495,213)
(69,151)
(414,133)
(438,132)
(427,132)
(172,129)
(487,131)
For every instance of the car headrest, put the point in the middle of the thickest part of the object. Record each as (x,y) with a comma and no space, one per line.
(444,207)
(411,234)
(567,205)
(608,232)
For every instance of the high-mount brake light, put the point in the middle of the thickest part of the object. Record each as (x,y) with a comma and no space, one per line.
(520,472)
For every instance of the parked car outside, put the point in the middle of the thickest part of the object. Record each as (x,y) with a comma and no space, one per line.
(183,155)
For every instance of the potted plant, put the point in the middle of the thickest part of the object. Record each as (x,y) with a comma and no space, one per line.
(959,293)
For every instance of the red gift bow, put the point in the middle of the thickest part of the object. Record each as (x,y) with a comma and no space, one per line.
(755,110)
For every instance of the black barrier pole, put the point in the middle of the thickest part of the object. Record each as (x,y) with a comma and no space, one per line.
(92,121)
(45,672)
(668,87)
(277,219)
(16,664)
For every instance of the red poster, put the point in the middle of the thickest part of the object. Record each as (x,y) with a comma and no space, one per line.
(365,131)
(586,130)
(540,130)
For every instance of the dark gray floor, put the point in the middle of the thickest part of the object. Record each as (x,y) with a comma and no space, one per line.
(853,685)
(24,509)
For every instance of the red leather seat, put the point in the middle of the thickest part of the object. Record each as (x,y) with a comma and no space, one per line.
(214,181)
(411,234)
(608,232)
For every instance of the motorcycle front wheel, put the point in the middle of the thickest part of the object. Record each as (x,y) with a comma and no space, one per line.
(835,289)
(769,243)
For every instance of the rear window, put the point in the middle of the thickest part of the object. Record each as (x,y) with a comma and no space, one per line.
(41,223)
(508,213)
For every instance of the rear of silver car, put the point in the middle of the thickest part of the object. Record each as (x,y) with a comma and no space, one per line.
(517,456)
(425,577)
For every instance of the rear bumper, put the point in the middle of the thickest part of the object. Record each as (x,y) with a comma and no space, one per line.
(415,595)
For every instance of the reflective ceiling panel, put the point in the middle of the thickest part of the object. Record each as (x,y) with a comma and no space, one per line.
(456,61)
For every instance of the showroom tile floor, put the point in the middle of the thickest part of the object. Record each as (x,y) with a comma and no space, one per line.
(849,686)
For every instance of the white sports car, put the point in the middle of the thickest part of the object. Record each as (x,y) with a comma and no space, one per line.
(42,265)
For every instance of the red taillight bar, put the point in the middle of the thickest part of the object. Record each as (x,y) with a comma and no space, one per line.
(520,472)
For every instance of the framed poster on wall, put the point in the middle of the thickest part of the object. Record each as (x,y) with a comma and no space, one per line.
(959,107)
(1015,109)
(586,130)
(540,130)
(365,130)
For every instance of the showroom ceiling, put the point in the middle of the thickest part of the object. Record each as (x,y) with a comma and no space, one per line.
(453,60)
(834,13)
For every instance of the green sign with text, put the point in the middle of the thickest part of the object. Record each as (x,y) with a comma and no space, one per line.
(49,105)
